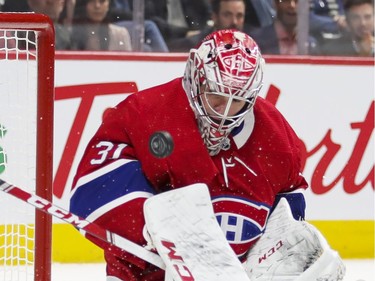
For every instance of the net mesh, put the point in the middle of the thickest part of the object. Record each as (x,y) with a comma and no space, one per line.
(18,97)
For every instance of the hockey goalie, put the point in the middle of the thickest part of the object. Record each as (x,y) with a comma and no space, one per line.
(207,174)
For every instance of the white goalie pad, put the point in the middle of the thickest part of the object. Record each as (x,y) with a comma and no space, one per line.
(292,250)
(187,236)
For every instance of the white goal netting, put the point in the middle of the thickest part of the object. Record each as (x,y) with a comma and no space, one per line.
(26,58)
(18,88)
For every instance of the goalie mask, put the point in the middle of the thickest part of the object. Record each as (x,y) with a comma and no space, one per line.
(222,79)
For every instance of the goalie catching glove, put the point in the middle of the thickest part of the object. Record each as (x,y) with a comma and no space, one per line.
(292,250)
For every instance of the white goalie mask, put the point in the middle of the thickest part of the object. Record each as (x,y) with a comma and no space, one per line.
(222,79)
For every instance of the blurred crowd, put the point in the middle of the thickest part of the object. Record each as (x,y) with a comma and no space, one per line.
(285,27)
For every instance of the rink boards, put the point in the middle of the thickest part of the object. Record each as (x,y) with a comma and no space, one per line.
(328,101)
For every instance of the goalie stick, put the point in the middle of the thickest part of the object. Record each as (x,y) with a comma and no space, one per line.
(82,224)
(216,262)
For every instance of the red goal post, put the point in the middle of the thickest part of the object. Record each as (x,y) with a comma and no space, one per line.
(26,142)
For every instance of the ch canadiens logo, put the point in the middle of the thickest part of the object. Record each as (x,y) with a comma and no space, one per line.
(242,221)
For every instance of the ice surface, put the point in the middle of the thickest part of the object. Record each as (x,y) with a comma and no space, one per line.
(357,270)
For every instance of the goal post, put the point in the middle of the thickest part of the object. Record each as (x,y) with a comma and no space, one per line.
(26,142)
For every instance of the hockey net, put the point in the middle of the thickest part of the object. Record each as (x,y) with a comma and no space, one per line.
(26,129)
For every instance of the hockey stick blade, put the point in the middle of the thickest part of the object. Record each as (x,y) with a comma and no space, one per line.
(82,224)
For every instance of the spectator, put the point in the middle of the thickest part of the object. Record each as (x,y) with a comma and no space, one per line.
(153,39)
(122,14)
(53,9)
(121,10)
(259,13)
(226,14)
(281,36)
(330,8)
(327,19)
(176,18)
(359,40)
(92,29)
(68,13)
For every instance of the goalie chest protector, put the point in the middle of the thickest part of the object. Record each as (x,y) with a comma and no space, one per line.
(242,180)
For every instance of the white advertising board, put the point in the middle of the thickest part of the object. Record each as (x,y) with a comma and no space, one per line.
(330,103)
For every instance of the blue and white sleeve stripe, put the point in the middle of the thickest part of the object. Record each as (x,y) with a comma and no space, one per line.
(109,187)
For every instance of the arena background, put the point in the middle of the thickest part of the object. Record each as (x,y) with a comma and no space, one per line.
(328,101)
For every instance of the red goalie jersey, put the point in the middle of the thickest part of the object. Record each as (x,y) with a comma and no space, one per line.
(118,172)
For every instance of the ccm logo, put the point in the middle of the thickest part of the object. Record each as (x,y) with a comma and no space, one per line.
(57,212)
(271,251)
(177,261)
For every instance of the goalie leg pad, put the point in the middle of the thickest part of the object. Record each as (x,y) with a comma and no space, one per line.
(292,250)
(188,238)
